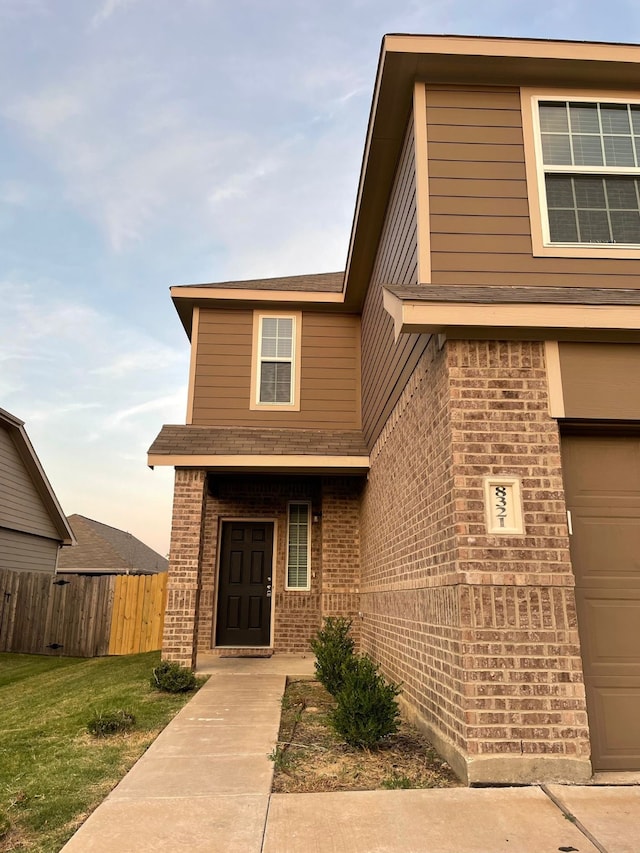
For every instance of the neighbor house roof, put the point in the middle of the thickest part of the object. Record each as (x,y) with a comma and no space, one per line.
(15,428)
(106,549)
(236,448)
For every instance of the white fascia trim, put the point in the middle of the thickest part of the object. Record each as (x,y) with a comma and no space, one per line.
(438,317)
(260,462)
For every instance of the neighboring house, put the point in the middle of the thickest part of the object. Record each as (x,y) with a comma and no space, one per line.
(32,525)
(443,443)
(105,550)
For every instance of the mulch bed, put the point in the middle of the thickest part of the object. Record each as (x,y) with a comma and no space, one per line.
(310,757)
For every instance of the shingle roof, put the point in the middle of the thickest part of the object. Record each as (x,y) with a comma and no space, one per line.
(107,549)
(327,282)
(200,440)
(491,294)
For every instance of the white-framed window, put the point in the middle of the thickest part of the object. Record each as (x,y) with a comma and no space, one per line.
(298,545)
(277,361)
(588,153)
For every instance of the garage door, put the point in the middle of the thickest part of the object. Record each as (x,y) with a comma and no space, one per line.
(602,484)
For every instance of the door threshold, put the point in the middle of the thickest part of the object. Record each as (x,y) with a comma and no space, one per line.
(241,652)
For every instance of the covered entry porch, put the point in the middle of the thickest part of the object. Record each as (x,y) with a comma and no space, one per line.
(265,537)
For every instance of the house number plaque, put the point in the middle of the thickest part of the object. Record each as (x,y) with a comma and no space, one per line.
(503,505)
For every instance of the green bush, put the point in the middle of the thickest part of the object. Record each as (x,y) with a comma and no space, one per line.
(105,723)
(367,710)
(171,677)
(333,648)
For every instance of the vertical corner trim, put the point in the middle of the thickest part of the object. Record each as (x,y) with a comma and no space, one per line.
(422,182)
(554,379)
(195,329)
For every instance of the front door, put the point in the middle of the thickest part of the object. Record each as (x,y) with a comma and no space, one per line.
(244,586)
(602,485)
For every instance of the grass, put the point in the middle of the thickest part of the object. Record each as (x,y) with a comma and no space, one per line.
(53,773)
(310,756)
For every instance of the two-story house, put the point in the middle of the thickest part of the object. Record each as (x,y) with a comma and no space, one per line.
(442,443)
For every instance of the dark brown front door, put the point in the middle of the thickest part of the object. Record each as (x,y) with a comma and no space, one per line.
(602,484)
(244,593)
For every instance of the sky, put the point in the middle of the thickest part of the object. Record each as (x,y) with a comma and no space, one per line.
(147,143)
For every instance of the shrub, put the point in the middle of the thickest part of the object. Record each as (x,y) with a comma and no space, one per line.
(105,723)
(173,678)
(333,648)
(367,710)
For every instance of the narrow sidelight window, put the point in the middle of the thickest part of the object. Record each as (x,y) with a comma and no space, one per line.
(298,546)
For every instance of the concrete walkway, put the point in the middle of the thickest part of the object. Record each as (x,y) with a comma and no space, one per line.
(204,785)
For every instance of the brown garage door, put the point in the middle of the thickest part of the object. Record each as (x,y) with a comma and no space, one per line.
(602,483)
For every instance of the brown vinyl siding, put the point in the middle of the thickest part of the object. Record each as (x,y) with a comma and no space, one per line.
(330,369)
(601,380)
(21,507)
(24,552)
(387,363)
(480,227)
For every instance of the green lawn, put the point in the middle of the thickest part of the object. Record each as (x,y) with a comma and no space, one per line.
(52,772)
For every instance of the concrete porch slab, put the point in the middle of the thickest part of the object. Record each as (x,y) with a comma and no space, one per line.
(612,815)
(498,820)
(292,665)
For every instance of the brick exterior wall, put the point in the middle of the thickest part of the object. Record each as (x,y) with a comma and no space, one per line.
(181,614)
(341,549)
(480,629)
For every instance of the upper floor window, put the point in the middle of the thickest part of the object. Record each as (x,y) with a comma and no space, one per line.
(590,165)
(276,362)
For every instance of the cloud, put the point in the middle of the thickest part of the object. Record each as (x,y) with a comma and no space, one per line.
(46,113)
(14,9)
(53,412)
(94,389)
(152,359)
(160,404)
(109,8)
(15,193)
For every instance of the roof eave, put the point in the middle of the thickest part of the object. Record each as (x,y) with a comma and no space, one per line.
(405,59)
(263,463)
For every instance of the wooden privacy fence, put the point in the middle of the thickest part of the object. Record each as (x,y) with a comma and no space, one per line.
(81,615)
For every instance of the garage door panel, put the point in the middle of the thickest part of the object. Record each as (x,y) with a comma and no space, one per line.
(613,710)
(597,538)
(602,488)
(606,457)
(610,631)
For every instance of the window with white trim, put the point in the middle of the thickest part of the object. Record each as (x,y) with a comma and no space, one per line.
(298,545)
(276,360)
(590,155)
